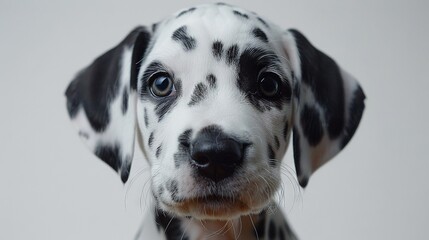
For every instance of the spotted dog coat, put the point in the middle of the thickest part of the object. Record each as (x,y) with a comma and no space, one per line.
(214,93)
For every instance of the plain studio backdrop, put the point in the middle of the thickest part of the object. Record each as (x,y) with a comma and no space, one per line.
(52,187)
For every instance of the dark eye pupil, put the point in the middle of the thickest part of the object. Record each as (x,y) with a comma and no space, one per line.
(269,86)
(162,86)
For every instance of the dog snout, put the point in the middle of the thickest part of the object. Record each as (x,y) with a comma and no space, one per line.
(216,155)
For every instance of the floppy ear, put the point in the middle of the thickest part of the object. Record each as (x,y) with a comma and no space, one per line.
(101,101)
(328,105)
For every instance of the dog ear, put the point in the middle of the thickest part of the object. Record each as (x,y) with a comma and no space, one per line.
(328,105)
(101,101)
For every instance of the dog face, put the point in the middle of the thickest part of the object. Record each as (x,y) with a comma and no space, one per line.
(213,93)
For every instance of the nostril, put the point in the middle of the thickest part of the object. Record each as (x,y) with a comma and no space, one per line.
(200,159)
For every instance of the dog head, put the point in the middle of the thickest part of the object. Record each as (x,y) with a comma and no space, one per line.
(213,93)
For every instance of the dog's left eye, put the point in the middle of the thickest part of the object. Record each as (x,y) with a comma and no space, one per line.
(269,84)
(162,85)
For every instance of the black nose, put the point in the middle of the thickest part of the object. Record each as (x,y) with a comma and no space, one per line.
(215,155)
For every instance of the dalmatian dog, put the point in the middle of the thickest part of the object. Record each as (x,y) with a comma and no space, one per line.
(212,95)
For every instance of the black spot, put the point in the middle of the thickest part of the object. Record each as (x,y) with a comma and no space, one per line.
(154,27)
(181,35)
(111,155)
(231,54)
(199,94)
(150,141)
(124,106)
(323,76)
(281,234)
(171,226)
(311,125)
(286,130)
(355,114)
(271,156)
(277,142)
(182,155)
(296,91)
(258,33)
(146,118)
(222,4)
(252,62)
(297,156)
(260,225)
(158,151)
(160,190)
(272,230)
(96,86)
(211,79)
(173,187)
(217,49)
(185,12)
(83,134)
(263,22)
(243,15)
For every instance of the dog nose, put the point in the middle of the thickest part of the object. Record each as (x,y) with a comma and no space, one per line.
(215,155)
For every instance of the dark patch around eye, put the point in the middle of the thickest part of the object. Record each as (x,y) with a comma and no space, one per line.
(185,12)
(165,104)
(258,33)
(199,94)
(231,54)
(181,35)
(217,49)
(242,15)
(311,125)
(124,106)
(252,62)
(211,79)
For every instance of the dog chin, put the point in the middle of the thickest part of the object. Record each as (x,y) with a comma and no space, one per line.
(214,208)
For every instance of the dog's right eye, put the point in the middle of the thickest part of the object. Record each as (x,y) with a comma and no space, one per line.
(161,85)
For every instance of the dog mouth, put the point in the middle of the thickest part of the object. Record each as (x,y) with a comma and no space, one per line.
(212,207)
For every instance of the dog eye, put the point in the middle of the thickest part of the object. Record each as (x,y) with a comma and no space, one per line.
(162,85)
(269,84)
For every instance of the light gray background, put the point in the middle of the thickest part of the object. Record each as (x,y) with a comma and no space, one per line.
(53,188)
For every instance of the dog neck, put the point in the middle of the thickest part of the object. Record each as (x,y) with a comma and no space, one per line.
(268,224)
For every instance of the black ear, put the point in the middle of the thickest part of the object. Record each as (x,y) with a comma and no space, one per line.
(101,101)
(328,105)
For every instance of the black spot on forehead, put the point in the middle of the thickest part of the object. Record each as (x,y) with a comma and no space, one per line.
(124,106)
(242,15)
(311,125)
(231,54)
(258,33)
(186,11)
(199,94)
(217,49)
(211,79)
(263,22)
(181,35)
